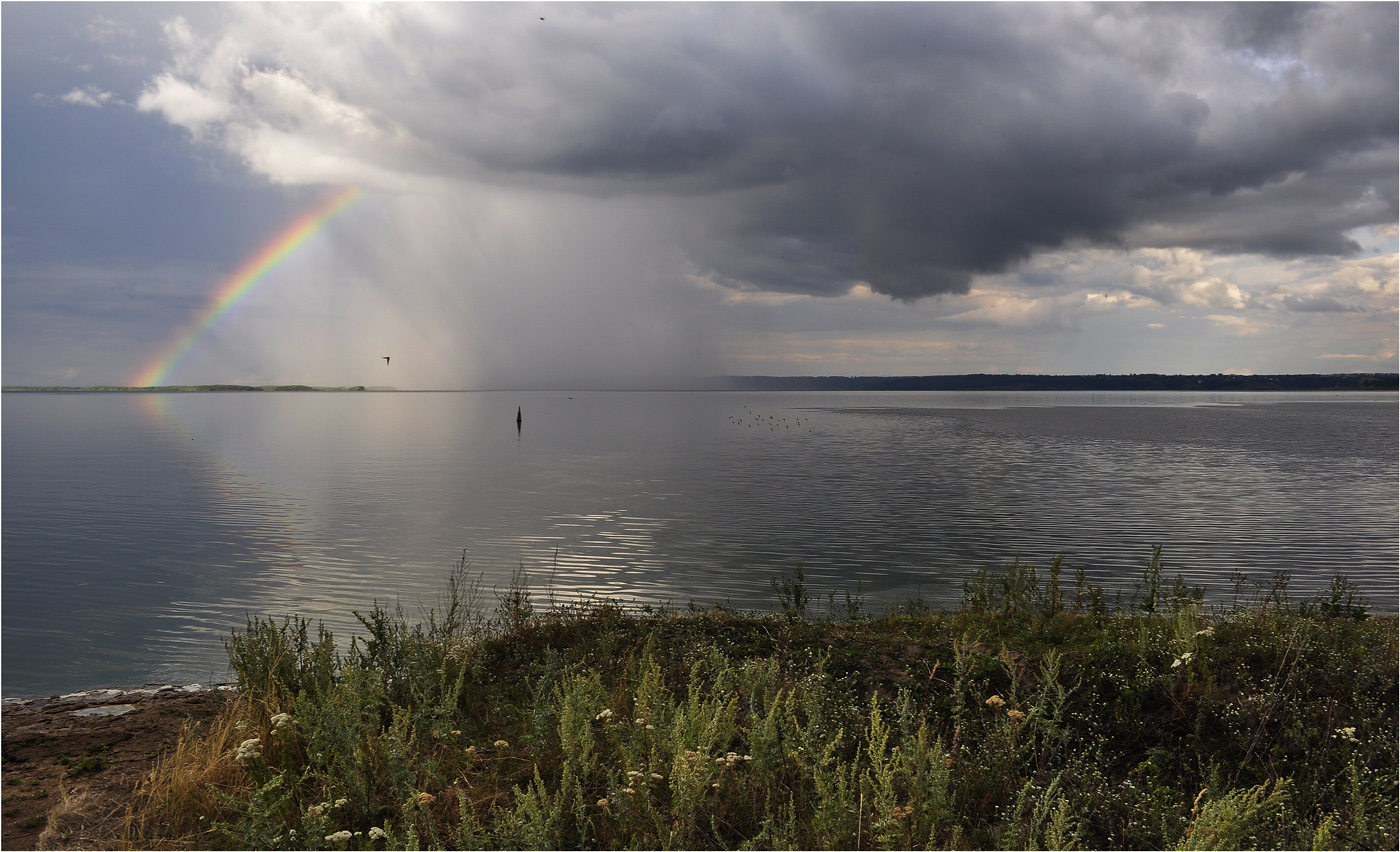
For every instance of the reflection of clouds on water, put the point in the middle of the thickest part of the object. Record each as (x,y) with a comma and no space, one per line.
(325,499)
(255,531)
(319,504)
(125,531)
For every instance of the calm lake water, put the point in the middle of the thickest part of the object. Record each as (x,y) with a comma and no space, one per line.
(140,529)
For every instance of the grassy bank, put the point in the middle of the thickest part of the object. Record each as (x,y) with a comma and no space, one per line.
(1033,717)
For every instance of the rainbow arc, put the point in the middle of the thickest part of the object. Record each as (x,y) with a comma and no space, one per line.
(158,370)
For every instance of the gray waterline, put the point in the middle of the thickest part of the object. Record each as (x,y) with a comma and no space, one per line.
(138,532)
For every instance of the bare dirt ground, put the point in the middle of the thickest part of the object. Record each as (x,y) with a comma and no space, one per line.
(84,755)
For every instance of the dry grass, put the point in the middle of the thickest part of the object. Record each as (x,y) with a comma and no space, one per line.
(178,798)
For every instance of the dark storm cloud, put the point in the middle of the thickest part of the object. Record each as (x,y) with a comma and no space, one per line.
(915,146)
(910,146)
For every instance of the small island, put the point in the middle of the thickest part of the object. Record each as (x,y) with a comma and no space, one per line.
(178,389)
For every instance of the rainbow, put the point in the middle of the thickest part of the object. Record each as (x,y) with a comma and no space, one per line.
(242,282)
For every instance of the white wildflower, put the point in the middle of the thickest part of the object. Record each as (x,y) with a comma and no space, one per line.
(1347,733)
(341,802)
(996,702)
(249,750)
(656,776)
(605,715)
(339,837)
(501,744)
(376,833)
(281,720)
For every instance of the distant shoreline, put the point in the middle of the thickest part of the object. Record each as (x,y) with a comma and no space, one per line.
(1101,382)
(1216,382)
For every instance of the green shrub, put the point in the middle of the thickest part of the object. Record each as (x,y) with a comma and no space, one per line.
(1030,717)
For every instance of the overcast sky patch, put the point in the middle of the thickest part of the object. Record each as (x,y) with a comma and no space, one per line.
(940,177)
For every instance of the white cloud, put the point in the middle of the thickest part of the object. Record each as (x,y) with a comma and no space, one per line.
(1243,326)
(1179,275)
(183,104)
(1371,276)
(90,96)
(1013,309)
(283,116)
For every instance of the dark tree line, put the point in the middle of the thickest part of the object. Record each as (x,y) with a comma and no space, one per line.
(1102,382)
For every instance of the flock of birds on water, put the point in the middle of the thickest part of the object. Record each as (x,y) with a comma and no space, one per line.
(754,418)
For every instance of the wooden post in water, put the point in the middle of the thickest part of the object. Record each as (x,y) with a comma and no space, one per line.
(517,418)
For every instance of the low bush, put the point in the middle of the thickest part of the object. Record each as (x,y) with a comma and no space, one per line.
(1034,716)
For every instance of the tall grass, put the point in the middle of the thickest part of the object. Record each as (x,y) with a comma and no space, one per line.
(1035,716)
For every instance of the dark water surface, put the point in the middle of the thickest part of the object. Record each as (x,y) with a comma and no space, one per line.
(139,529)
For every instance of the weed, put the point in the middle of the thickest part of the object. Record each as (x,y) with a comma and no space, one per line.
(1032,716)
(792,593)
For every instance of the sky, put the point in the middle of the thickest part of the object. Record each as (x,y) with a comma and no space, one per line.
(617,195)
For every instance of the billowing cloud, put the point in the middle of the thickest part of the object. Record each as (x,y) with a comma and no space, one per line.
(1179,275)
(907,147)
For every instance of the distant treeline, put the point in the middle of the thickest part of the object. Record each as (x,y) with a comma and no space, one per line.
(1021,382)
(174,389)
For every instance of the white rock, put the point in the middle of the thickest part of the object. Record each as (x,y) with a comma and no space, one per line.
(105,710)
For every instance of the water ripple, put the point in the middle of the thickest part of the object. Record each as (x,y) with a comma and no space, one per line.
(137,533)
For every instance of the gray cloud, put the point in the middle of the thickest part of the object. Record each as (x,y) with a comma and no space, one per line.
(1319,305)
(909,146)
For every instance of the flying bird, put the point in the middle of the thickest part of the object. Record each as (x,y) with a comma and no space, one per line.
(386,359)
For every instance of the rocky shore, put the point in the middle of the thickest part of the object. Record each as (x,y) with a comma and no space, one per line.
(72,761)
